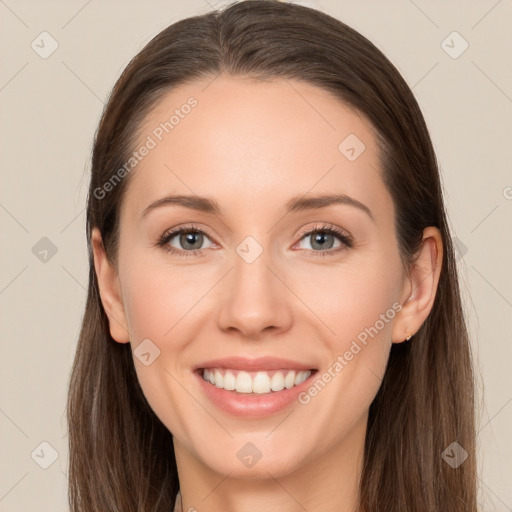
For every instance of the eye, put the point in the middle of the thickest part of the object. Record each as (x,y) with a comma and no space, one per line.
(323,240)
(188,239)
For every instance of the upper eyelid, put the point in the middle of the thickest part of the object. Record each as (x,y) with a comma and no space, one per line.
(325,227)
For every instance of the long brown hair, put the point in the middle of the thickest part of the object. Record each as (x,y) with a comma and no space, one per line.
(121,455)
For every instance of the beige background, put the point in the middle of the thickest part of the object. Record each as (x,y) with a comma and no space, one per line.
(50,108)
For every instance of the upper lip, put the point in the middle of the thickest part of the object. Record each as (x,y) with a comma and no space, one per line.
(260,363)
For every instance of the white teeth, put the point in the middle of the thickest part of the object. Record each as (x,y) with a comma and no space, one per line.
(289,380)
(301,377)
(229,381)
(259,383)
(219,379)
(243,383)
(277,382)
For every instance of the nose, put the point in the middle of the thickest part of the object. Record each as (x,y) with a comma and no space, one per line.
(253,299)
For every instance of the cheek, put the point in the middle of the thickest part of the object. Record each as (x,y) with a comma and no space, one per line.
(156,298)
(359,309)
(158,301)
(352,300)
(359,305)
(163,304)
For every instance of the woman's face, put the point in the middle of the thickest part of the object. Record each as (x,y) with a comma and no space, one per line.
(259,286)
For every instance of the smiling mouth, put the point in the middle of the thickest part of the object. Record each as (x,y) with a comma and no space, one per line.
(255,382)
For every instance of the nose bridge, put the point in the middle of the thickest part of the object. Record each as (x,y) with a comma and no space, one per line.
(252,298)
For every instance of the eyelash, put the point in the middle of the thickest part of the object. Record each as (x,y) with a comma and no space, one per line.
(343,237)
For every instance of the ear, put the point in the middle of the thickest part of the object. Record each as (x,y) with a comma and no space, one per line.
(110,290)
(421,286)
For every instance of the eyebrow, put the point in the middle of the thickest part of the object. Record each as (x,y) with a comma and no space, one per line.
(315,202)
(295,204)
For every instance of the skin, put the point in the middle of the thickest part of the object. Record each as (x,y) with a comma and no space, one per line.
(251,146)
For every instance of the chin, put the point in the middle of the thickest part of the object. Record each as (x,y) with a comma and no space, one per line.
(250,463)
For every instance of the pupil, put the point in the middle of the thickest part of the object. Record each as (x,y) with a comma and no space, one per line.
(320,239)
(189,238)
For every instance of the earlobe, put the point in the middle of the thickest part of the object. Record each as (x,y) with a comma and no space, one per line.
(421,286)
(108,283)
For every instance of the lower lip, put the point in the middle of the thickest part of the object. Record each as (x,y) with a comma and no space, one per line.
(252,404)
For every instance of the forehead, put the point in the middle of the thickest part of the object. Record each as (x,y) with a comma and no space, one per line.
(254,144)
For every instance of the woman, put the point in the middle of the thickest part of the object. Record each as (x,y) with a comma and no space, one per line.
(273,318)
